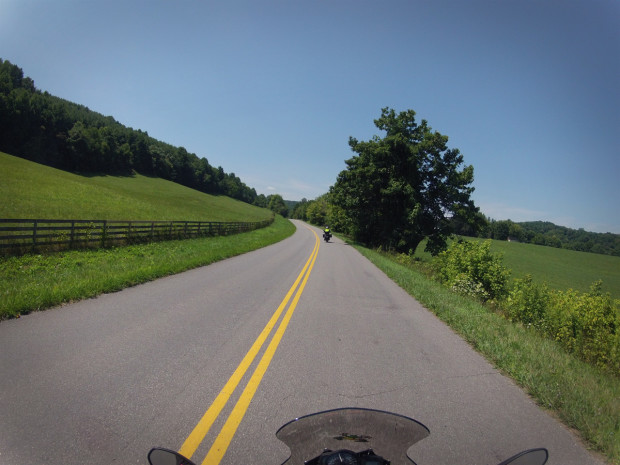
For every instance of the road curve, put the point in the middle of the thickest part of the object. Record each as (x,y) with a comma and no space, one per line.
(103,380)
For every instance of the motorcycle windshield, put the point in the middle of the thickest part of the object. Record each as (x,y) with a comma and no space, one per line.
(389,435)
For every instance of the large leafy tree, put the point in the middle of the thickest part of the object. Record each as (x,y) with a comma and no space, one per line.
(404,187)
(276,204)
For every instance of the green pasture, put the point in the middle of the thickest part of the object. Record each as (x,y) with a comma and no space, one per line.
(38,281)
(561,269)
(30,190)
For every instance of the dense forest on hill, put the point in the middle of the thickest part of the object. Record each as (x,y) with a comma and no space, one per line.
(49,130)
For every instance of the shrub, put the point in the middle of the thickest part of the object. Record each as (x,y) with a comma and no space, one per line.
(586,324)
(471,269)
(527,302)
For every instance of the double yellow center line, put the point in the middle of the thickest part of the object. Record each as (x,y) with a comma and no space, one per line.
(221,443)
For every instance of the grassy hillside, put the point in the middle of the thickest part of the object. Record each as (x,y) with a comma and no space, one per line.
(32,282)
(561,269)
(31,190)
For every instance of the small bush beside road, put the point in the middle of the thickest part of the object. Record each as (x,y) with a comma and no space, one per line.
(470,268)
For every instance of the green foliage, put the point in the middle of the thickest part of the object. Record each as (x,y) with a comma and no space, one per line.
(337,218)
(290,205)
(299,211)
(321,211)
(276,204)
(403,187)
(316,212)
(586,324)
(49,130)
(261,201)
(471,269)
(527,302)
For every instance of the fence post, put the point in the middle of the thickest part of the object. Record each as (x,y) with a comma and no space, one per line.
(104,232)
(72,234)
(34,236)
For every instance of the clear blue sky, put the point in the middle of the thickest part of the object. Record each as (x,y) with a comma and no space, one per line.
(528,91)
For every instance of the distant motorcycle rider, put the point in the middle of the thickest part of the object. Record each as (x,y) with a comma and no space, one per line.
(327,233)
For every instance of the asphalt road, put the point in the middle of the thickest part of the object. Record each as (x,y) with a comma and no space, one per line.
(104,380)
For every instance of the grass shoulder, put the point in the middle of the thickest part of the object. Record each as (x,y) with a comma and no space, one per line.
(582,396)
(37,282)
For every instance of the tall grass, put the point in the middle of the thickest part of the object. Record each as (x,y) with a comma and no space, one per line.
(36,282)
(584,397)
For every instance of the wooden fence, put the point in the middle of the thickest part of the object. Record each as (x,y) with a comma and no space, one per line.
(34,235)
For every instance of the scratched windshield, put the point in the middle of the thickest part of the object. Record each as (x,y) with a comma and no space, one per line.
(387,434)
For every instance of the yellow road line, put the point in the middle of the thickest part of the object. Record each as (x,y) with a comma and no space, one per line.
(204,425)
(220,446)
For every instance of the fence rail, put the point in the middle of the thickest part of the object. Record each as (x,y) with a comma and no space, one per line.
(32,235)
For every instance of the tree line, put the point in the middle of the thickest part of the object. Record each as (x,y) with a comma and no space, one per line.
(408,186)
(52,131)
(551,235)
(398,189)
(322,211)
